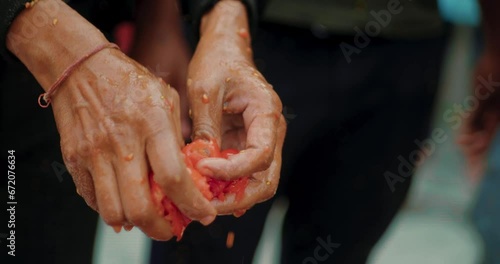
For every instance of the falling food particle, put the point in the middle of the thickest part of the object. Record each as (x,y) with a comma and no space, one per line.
(243,33)
(189,82)
(228,79)
(268,182)
(230,239)
(54,22)
(117,229)
(239,213)
(128,227)
(204,99)
(129,157)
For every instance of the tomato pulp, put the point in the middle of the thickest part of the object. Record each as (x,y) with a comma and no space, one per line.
(211,188)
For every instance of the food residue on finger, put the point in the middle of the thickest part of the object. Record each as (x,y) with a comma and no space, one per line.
(230,239)
(239,213)
(243,33)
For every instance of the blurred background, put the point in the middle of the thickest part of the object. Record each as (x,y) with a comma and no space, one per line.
(448,217)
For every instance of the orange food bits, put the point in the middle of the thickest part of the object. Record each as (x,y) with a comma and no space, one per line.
(230,239)
(243,33)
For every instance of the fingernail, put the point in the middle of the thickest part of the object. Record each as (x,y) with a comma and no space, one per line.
(207,220)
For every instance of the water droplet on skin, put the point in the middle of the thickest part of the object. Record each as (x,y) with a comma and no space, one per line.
(228,79)
(204,99)
(189,82)
(129,157)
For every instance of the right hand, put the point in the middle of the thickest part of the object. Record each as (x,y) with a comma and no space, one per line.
(116,122)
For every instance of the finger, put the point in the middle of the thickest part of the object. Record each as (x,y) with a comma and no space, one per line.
(84,185)
(261,122)
(262,185)
(172,176)
(173,101)
(106,190)
(206,110)
(136,199)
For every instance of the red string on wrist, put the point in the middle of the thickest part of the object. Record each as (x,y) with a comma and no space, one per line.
(48,95)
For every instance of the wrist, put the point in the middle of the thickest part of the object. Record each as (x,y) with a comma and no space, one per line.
(48,37)
(226,28)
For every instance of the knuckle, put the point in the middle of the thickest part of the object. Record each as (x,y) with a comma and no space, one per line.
(70,156)
(204,129)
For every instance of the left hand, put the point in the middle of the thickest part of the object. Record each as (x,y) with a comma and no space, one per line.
(233,104)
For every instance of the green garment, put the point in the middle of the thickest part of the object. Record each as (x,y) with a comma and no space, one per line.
(382,18)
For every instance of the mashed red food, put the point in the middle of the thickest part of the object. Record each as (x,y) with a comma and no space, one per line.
(209,187)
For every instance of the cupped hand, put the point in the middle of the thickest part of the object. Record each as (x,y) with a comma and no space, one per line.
(232,103)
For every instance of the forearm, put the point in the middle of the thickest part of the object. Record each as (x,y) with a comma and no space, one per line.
(50,36)
(226,27)
(491,26)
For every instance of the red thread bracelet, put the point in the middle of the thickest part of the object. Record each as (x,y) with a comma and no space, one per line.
(47,96)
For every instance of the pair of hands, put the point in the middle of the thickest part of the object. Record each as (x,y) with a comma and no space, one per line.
(117,121)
